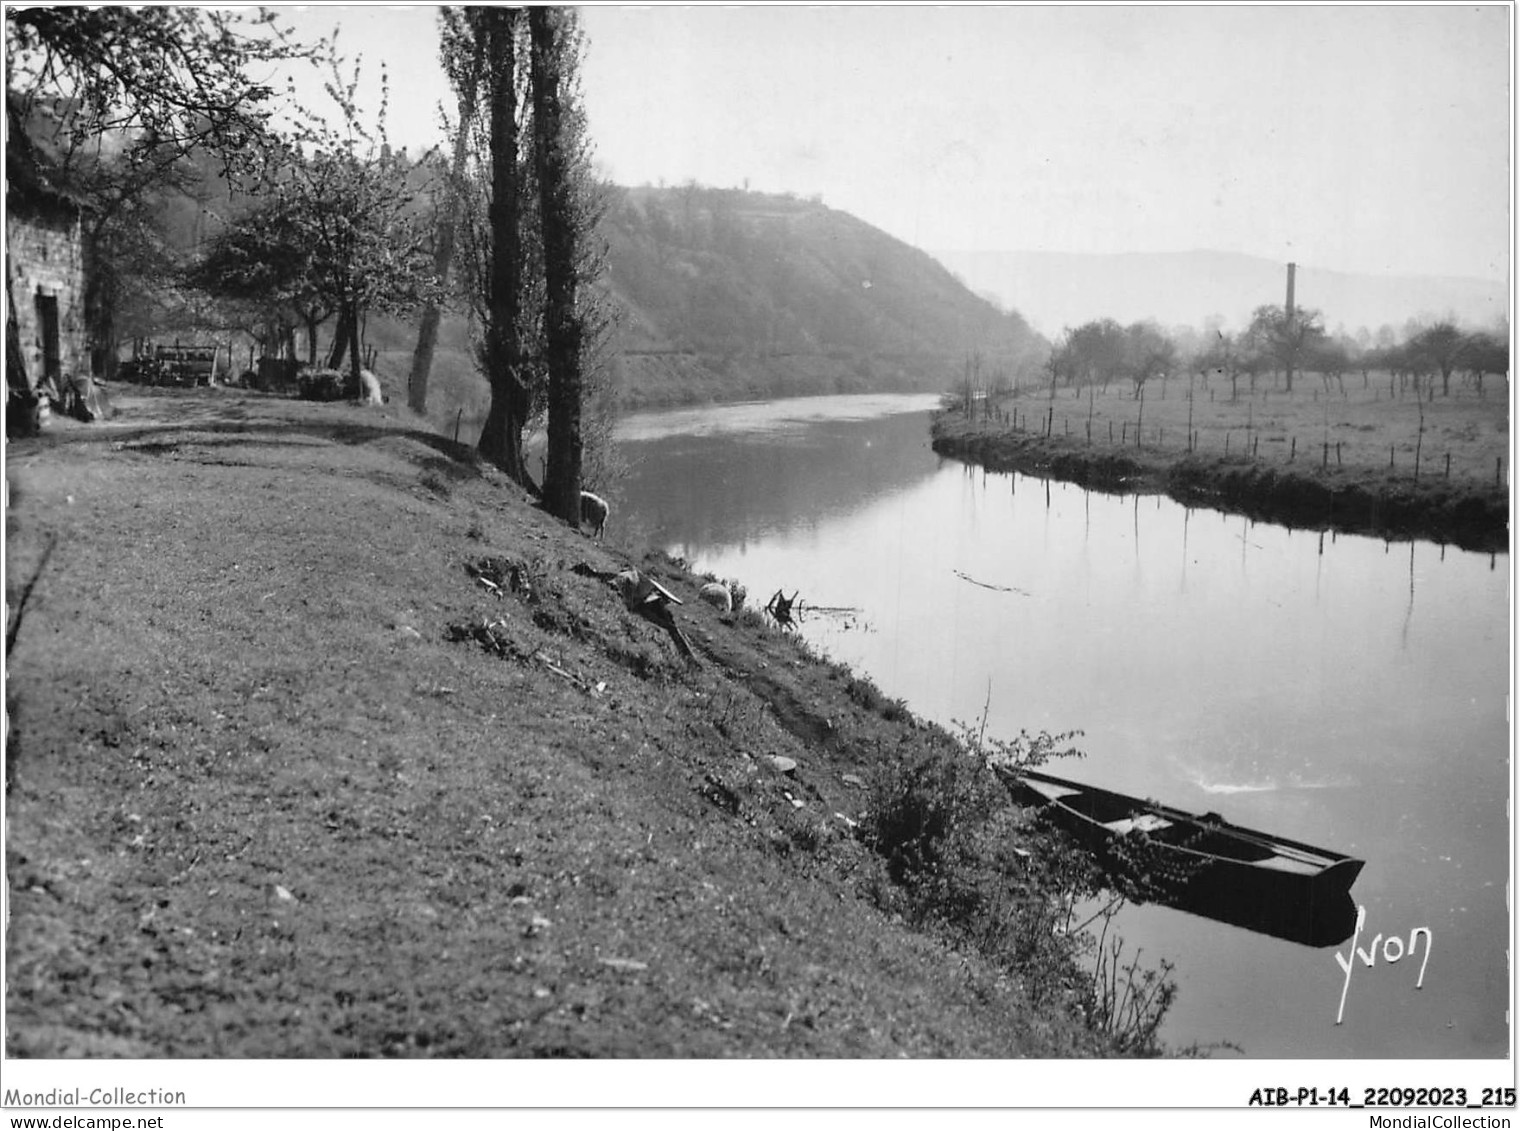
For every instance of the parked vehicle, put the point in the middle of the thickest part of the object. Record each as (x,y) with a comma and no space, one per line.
(171,365)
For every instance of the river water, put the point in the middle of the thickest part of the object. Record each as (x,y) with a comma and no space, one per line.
(1332,689)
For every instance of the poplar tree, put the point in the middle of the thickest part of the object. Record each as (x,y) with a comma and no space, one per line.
(563,328)
(528,240)
(511,392)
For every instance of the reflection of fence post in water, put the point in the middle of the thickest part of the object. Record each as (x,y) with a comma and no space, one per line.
(1187,516)
(1409,612)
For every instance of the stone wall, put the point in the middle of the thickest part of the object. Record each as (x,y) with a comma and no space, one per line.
(45,257)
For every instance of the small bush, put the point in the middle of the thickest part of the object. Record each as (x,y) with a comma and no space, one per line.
(923,810)
(326,385)
(960,856)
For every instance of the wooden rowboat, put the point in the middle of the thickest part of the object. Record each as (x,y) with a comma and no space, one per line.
(1209,866)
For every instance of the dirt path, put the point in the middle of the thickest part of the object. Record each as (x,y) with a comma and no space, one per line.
(260,804)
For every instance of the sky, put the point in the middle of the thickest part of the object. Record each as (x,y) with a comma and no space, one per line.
(1370,138)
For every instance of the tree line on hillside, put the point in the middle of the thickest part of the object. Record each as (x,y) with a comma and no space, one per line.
(205,211)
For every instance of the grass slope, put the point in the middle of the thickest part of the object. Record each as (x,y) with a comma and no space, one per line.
(259,804)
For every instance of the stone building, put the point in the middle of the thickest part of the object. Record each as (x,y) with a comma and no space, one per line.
(46,343)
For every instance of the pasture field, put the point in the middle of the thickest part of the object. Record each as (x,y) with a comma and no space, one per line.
(1366,448)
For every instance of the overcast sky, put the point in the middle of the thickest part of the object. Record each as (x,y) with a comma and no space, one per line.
(1371,139)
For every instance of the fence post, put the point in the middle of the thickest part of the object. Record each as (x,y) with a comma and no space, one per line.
(1293,449)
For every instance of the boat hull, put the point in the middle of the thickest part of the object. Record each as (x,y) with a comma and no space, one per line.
(1203,864)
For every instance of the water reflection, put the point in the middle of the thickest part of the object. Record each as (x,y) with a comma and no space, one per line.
(1336,691)
(726,485)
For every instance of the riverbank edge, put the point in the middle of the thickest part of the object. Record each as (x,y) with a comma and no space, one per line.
(735,775)
(1349,500)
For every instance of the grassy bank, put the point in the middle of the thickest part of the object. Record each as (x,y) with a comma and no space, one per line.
(1363,455)
(285,779)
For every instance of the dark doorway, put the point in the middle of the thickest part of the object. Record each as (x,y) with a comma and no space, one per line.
(47,322)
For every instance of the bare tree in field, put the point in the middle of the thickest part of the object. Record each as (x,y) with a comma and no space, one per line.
(1282,339)
(1441,348)
(551,30)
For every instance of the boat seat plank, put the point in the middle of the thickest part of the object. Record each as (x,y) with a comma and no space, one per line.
(1144,823)
(1053,791)
(1288,864)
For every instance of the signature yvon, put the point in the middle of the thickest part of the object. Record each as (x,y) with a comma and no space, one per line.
(1393,949)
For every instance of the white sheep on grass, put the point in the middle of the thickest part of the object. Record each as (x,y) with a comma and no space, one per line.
(716,594)
(594,512)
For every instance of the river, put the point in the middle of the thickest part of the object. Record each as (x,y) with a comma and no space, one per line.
(1337,690)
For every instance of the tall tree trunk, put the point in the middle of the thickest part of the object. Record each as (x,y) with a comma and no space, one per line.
(422,354)
(346,323)
(354,356)
(443,240)
(563,329)
(501,439)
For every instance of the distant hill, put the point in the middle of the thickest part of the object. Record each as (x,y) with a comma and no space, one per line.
(1056,289)
(731,295)
(744,294)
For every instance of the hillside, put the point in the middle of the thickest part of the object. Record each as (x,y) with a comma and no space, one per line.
(741,293)
(285,780)
(1057,289)
(732,295)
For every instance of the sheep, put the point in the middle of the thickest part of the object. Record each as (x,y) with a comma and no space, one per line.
(594,511)
(370,391)
(716,594)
